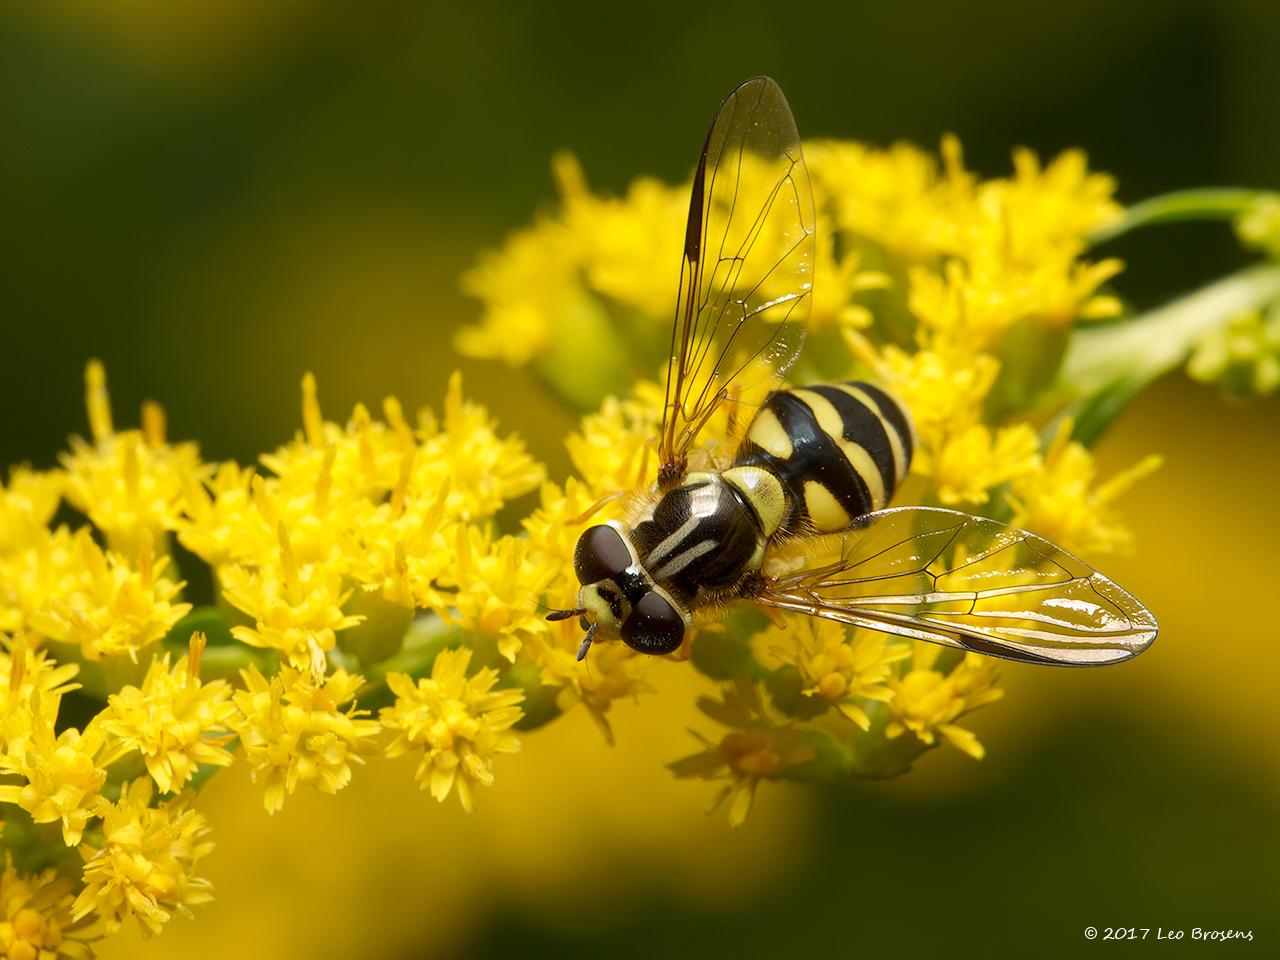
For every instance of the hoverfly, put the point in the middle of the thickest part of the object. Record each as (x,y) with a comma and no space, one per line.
(817,463)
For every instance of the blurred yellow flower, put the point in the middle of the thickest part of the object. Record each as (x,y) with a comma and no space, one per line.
(1060,502)
(978,458)
(926,702)
(755,749)
(145,864)
(837,664)
(1243,357)
(27,504)
(461,723)
(35,917)
(897,198)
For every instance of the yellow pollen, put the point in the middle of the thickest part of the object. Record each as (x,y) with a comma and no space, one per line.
(96,401)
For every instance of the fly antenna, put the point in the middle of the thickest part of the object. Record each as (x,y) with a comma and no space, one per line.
(586,642)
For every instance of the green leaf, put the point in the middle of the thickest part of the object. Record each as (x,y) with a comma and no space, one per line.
(1105,367)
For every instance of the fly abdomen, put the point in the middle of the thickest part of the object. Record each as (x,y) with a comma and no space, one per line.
(839,451)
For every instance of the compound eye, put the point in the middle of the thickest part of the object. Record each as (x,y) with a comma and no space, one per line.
(655,626)
(601,553)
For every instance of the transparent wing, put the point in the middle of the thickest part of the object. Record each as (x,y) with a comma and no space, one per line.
(967,582)
(746,277)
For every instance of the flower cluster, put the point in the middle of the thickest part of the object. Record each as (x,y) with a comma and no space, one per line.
(960,294)
(372,593)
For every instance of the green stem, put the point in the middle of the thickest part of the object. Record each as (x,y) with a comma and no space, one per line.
(1107,366)
(1206,203)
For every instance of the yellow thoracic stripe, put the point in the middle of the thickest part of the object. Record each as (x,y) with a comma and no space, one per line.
(763,491)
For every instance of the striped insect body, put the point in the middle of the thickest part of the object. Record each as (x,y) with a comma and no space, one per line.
(817,463)
(838,450)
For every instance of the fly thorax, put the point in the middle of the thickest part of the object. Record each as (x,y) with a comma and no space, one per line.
(702,535)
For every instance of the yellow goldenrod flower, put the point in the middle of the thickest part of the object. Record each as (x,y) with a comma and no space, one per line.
(293,730)
(405,549)
(484,471)
(616,672)
(327,463)
(837,665)
(616,448)
(27,503)
(385,541)
(296,609)
(63,771)
(24,672)
(35,917)
(977,459)
(127,483)
(837,280)
(964,304)
(1041,210)
(896,198)
(223,523)
(1243,357)
(627,248)
(755,749)
(145,866)
(104,605)
(497,585)
(1259,225)
(1059,501)
(175,721)
(462,723)
(943,387)
(926,701)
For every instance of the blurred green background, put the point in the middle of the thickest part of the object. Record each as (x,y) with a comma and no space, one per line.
(215,197)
